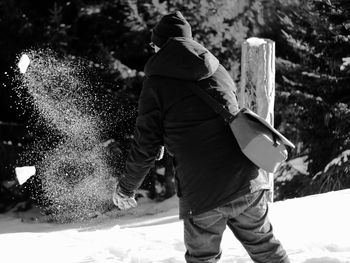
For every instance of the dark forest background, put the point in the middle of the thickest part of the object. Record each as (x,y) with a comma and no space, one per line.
(312,70)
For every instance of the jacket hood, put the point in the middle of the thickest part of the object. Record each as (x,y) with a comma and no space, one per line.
(182,58)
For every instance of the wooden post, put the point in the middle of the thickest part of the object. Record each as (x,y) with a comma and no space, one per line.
(257,87)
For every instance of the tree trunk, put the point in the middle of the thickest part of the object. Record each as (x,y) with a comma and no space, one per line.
(257,87)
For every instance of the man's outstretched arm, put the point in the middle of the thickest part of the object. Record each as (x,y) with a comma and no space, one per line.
(147,141)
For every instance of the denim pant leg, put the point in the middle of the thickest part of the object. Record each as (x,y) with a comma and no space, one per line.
(254,230)
(203,234)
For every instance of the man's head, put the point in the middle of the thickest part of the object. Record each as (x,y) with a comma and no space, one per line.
(171,25)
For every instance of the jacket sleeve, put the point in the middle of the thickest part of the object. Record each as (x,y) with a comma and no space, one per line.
(148,138)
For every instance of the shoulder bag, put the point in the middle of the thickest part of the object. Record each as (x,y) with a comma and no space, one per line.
(257,139)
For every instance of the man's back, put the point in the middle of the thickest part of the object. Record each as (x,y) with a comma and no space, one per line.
(210,168)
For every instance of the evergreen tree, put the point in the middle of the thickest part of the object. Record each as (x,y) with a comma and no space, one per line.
(313,80)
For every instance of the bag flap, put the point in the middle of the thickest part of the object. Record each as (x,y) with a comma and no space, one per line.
(283,139)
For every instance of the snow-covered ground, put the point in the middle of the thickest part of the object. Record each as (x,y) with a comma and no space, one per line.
(313,229)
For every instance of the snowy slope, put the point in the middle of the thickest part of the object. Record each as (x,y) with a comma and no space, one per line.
(313,229)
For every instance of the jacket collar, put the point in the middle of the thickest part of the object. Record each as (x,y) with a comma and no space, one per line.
(182,58)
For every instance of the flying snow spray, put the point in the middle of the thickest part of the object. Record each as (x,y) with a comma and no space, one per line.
(74,170)
(23,63)
(24,173)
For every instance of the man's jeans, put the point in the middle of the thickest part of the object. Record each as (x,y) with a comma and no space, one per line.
(247,219)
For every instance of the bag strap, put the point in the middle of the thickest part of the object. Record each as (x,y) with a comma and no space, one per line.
(199,90)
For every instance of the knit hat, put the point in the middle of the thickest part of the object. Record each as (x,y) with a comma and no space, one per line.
(171,25)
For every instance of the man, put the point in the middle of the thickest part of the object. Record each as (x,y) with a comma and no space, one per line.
(216,184)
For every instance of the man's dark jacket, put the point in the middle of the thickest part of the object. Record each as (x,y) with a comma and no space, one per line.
(210,169)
